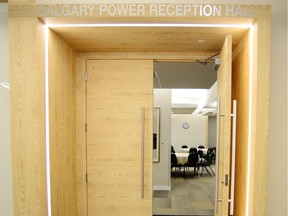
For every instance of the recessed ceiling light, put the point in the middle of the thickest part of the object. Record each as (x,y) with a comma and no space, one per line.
(201,41)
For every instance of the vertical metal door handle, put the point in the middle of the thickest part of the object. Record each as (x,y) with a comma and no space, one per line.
(142,149)
(217,156)
(232,188)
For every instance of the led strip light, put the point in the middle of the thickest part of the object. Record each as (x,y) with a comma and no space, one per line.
(186,25)
(47,122)
(250,120)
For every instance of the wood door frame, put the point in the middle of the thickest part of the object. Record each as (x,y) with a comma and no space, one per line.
(260,45)
(259,108)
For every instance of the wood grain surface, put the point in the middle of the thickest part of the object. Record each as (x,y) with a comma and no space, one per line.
(116,91)
(62,114)
(260,115)
(26,41)
(148,39)
(240,92)
(224,81)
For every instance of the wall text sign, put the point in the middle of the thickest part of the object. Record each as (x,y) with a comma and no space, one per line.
(154,10)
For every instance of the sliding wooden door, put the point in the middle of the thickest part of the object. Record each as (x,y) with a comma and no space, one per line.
(224,77)
(119,137)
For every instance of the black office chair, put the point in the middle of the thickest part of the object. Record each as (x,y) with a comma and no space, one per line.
(200,153)
(172,149)
(209,152)
(201,147)
(204,163)
(193,150)
(213,155)
(193,161)
(184,146)
(175,165)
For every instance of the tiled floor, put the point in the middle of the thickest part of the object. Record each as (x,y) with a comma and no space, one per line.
(189,196)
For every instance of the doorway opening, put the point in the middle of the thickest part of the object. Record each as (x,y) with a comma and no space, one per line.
(186,94)
(152,55)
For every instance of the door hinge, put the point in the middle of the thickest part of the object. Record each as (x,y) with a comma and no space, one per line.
(86,127)
(86,76)
(86,178)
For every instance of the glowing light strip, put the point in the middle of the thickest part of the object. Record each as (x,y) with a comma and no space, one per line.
(250,120)
(142,25)
(152,25)
(47,123)
(5,85)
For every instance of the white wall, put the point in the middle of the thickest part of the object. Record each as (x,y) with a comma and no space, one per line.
(6,203)
(212,131)
(276,200)
(161,170)
(194,136)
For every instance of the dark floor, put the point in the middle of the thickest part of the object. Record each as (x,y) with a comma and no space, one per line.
(193,196)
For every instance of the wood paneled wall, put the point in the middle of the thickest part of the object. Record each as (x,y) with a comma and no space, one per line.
(240,92)
(260,123)
(259,117)
(62,105)
(81,137)
(26,41)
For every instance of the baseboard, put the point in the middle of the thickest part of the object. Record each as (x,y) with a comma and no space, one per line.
(164,188)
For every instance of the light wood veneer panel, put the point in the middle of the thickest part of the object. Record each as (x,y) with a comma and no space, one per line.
(148,39)
(62,114)
(260,122)
(240,92)
(81,137)
(116,91)
(224,79)
(26,41)
(156,56)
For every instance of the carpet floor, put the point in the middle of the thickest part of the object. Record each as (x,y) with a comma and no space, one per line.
(192,196)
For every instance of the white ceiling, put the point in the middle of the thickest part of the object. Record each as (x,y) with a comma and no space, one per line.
(188,97)
(184,75)
(184,79)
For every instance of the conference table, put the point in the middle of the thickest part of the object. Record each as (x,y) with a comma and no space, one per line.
(204,150)
(186,150)
(182,157)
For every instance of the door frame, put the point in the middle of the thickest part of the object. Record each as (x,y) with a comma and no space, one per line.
(259,45)
(259,108)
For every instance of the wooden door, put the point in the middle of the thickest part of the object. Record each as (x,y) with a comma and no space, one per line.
(119,124)
(224,77)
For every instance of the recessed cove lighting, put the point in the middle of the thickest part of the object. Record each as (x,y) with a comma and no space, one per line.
(150,25)
(47,131)
(250,121)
